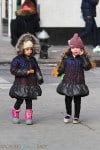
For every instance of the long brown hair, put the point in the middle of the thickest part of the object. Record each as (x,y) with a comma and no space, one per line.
(67,52)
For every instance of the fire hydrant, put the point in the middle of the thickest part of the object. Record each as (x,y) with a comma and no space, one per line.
(44,37)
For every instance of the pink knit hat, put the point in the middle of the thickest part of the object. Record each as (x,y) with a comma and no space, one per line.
(26,7)
(76,42)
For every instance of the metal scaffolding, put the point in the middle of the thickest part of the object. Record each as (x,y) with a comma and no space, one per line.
(0,18)
(12,5)
(11,8)
(9,15)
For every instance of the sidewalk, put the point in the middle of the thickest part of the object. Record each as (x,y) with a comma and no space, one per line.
(7,52)
(48,131)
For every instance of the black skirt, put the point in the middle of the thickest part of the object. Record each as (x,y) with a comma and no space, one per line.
(21,91)
(72,89)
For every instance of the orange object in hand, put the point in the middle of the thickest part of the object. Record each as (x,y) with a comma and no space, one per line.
(55,72)
(31,71)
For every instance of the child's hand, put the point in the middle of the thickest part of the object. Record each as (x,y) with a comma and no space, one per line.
(31,71)
(81,52)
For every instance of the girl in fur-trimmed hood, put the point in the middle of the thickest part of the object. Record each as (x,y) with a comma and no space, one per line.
(28,76)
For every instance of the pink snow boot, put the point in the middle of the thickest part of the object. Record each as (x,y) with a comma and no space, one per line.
(28,116)
(15,116)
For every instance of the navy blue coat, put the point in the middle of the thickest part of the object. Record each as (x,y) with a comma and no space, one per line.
(25,85)
(73,83)
(88,7)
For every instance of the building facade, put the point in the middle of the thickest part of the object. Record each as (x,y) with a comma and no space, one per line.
(62,18)
(59,18)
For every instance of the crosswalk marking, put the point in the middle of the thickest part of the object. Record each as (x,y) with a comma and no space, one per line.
(4,84)
(2,80)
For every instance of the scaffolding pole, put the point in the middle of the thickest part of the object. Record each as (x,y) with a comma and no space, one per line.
(9,15)
(0,18)
(22,1)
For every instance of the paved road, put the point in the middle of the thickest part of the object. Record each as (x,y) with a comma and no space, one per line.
(48,131)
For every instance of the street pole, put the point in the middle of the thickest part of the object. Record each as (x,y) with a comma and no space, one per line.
(9,15)
(0,18)
(14,7)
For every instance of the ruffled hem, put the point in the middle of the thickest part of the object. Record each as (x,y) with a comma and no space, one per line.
(73,89)
(31,92)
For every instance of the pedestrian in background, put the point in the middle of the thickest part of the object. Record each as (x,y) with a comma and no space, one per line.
(28,76)
(74,62)
(88,9)
(26,21)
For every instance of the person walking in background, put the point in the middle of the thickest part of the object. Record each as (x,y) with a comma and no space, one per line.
(28,76)
(27,21)
(74,61)
(88,9)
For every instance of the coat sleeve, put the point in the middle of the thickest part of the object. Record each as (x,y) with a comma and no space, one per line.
(15,70)
(19,72)
(86,62)
(61,68)
(93,2)
(38,72)
(13,28)
(36,24)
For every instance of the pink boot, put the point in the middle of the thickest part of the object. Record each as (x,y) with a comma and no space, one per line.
(15,115)
(28,116)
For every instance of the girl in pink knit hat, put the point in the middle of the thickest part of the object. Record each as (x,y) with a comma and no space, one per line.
(73,85)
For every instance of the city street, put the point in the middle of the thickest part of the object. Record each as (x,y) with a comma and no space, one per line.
(48,131)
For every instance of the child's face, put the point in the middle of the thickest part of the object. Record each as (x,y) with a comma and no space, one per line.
(76,51)
(28,51)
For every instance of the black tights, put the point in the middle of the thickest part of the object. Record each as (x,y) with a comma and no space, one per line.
(77,105)
(19,102)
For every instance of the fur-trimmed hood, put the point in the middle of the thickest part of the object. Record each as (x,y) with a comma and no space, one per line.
(28,37)
(26,8)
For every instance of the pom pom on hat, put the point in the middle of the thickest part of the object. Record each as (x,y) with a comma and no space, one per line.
(76,42)
(27,44)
